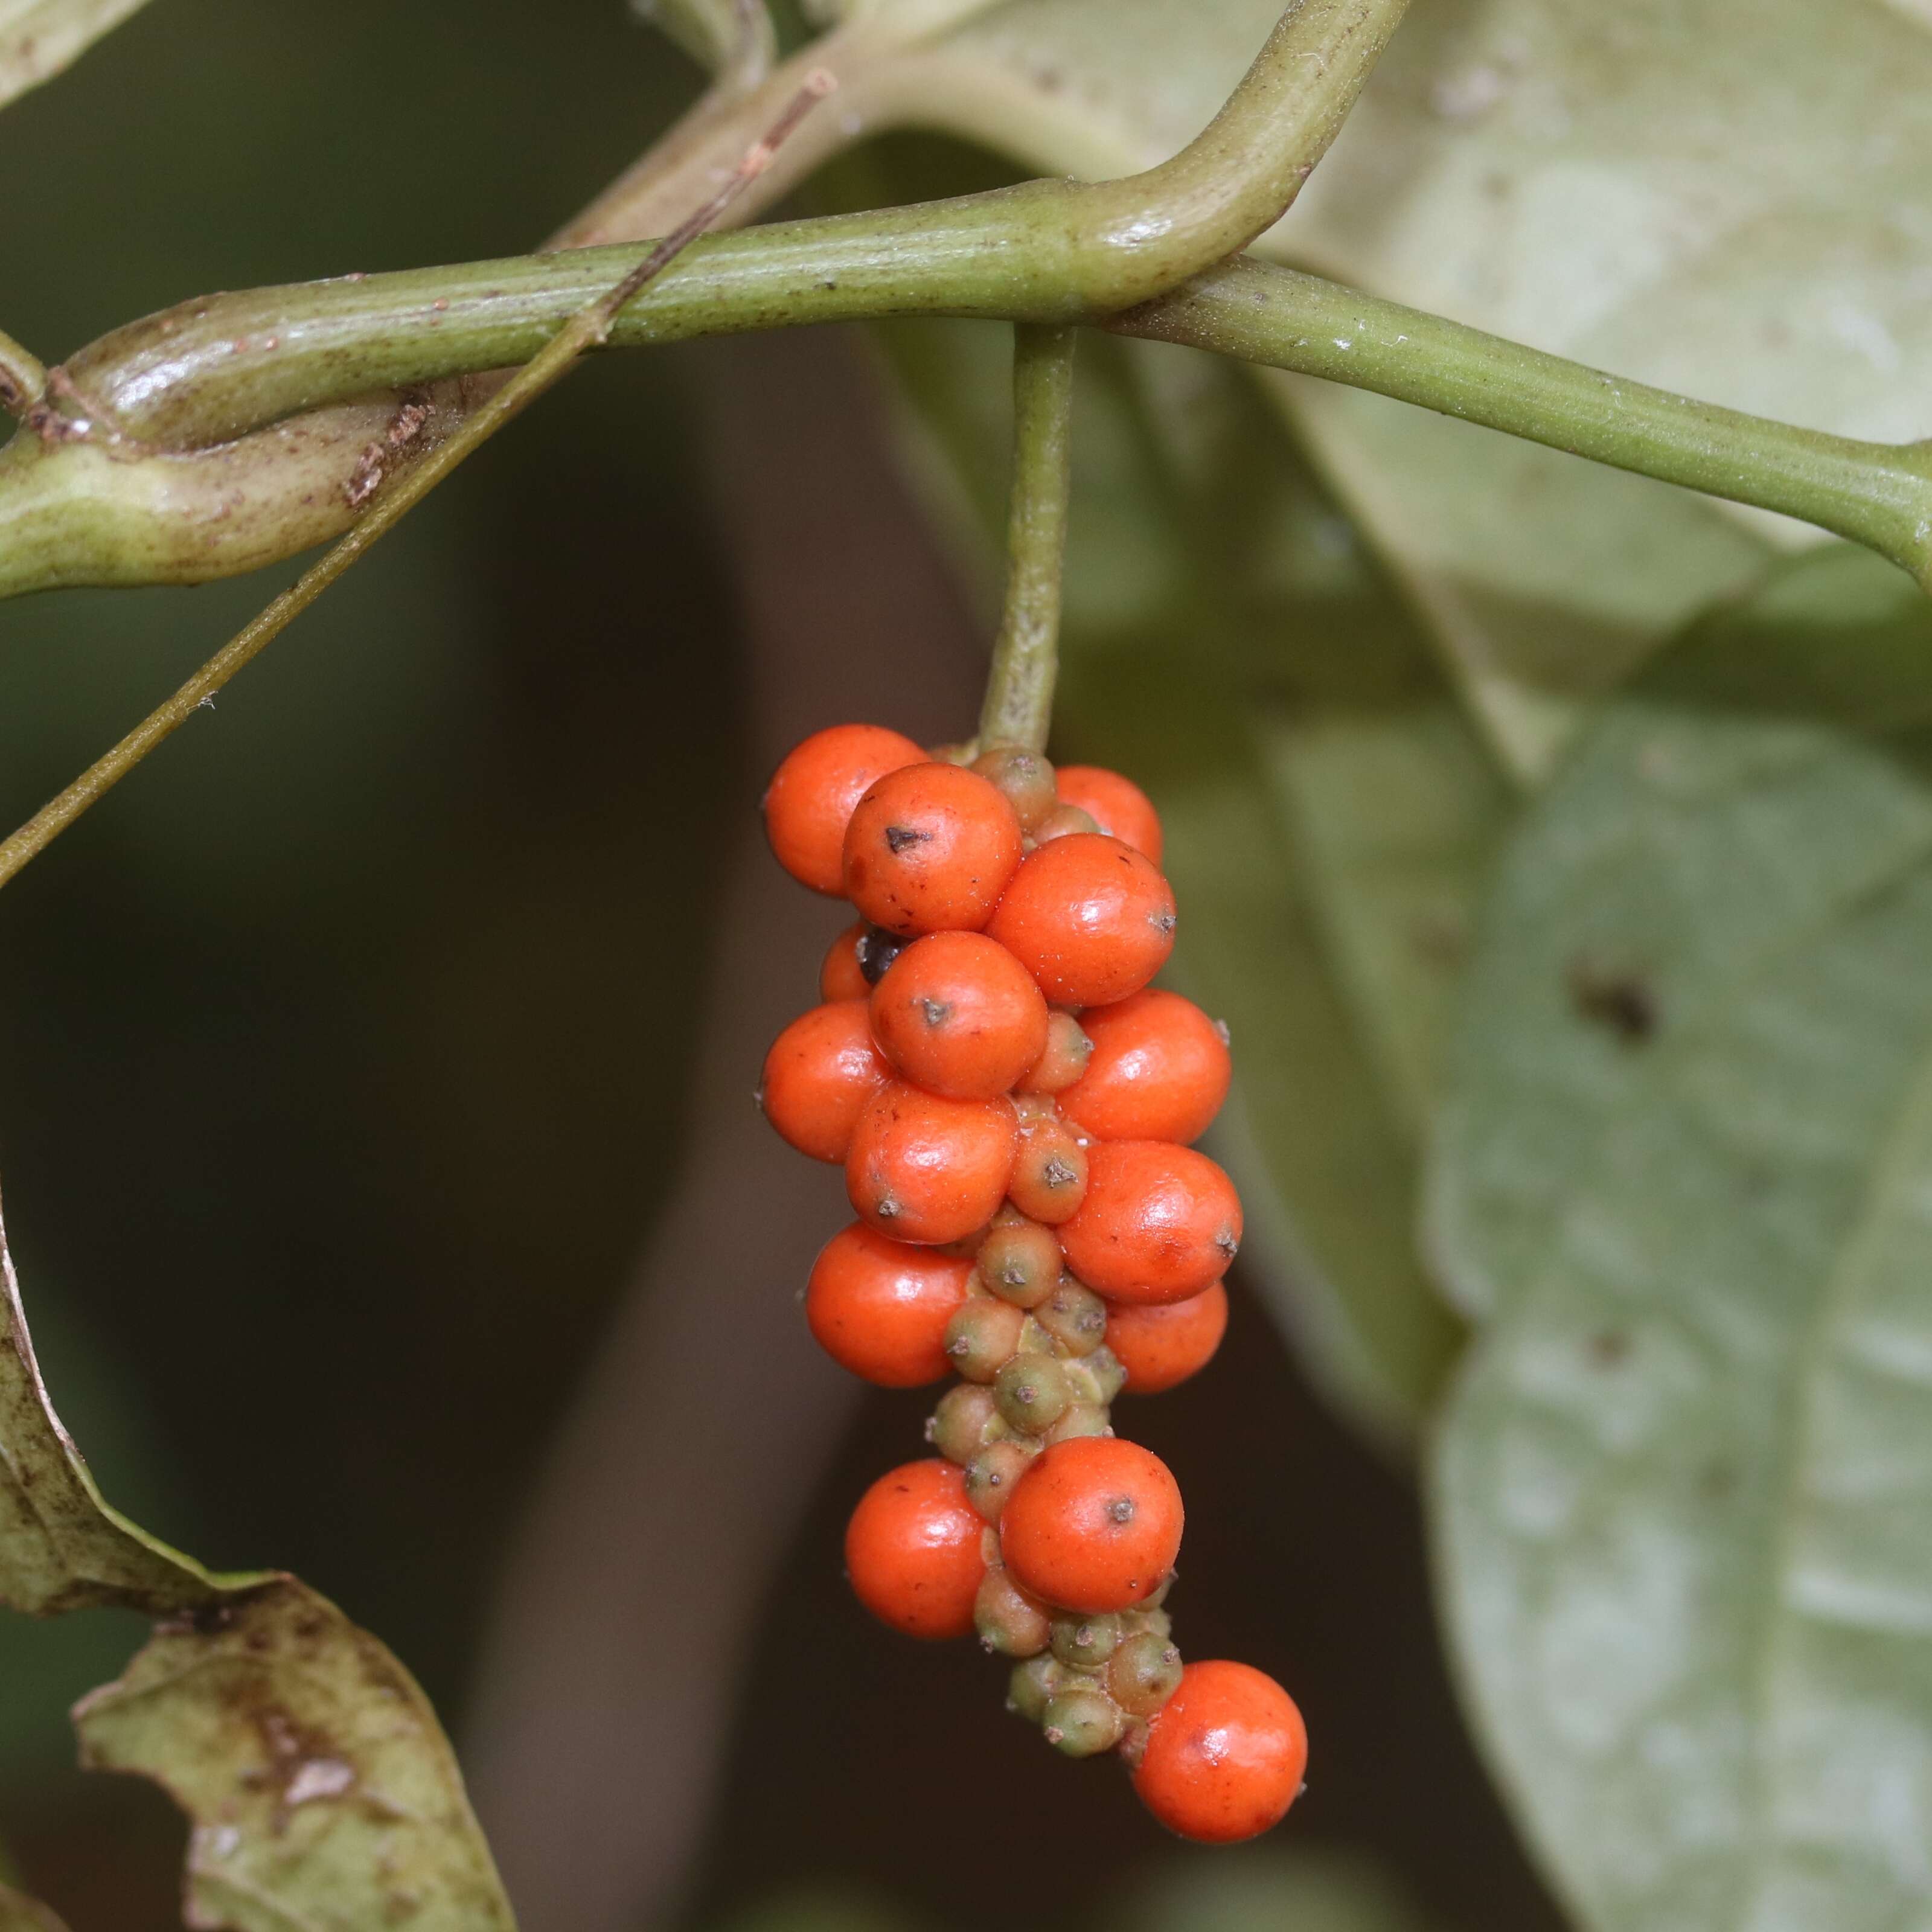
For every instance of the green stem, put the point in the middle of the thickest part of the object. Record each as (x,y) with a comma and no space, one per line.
(23,379)
(589,327)
(1019,709)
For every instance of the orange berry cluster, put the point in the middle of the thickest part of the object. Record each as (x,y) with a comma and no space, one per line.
(1012,1104)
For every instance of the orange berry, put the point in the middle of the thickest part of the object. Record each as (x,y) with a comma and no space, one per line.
(820,1073)
(1115,804)
(924,1168)
(930,849)
(1089,917)
(1159,1070)
(957,1014)
(842,977)
(1160,1222)
(880,1307)
(1162,1343)
(1049,1178)
(812,793)
(1225,1757)
(913,1550)
(1093,1524)
(1067,1051)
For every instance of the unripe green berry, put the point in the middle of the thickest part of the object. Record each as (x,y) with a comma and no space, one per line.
(991,1473)
(1144,1673)
(1008,1620)
(1021,1263)
(1097,1378)
(958,1428)
(1086,1642)
(1080,1418)
(1032,1393)
(1075,1316)
(1032,1686)
(1025,778)
(1081,1721)
(983,1333)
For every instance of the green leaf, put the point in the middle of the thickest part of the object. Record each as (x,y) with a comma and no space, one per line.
(20,1913)
(1267,1890)
(62,1545)
(39,37)
(1727,213)
(323,1794)
(1684,1175)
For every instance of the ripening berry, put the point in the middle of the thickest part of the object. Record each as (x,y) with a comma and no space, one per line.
(1086,1642)
(820,1072)
(1094,1524)
(964,1422)
(1061,820)
(1025,778)
(957,1014)
(1081,1418)
(1020,1261)
(841,977)
(982,1335)
(1088,916)
(1159,1070)
(1009,1621)
(1161,1344)
(1158,1223)
(1144,1673)
(1117,805)
(923,1168)
(1032,1392)
(913,1550)
(991,1475)
(1075,1316)
(1068,1050)
(1049,1181)
(1225,1756)
(810,799)
(1081,1721)
(880,1307)
(1033,1685)
(930,849)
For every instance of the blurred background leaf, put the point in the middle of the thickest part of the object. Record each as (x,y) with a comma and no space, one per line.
(18,1913)
(39,37)
(1682,1179)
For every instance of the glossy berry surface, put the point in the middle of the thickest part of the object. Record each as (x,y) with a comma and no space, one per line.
(913,1550)
(1064,1059)
(1225,1756)
(930,849)
(1158,1222)
(1116,805)
(1158,1070)
(922,1168)
(810,797)
(818,1076)
(879,1307)
(842,976)
(1161,1344)
(1050,1168)
(957,1014)
(1094,1524)
(1089,917)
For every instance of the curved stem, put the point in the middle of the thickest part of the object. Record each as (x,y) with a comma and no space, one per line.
(23,378)
(1018,709)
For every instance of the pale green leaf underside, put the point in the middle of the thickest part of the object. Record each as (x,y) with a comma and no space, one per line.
(1684,1176)
(323,1794)
(39,37)
(1732,210)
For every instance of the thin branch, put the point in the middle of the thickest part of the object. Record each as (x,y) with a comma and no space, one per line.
(1019,709)
(588,327)
(23,378)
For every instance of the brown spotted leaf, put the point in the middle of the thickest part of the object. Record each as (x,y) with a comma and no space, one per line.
(324,1796)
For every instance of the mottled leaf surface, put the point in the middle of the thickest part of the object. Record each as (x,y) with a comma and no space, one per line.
(323,1795)
(1683,1177)
(39,37)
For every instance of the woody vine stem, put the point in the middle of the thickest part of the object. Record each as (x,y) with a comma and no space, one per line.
(237,431)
